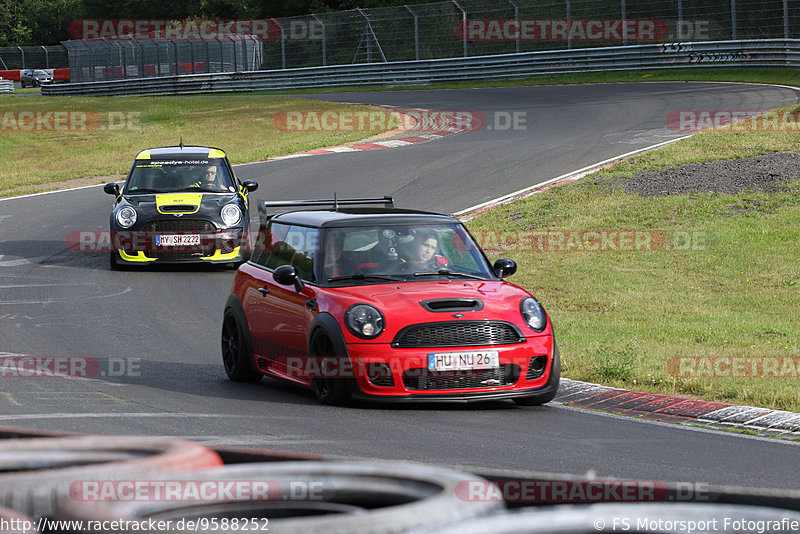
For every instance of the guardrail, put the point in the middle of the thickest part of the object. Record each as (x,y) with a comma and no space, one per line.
(6,86)
(749,53)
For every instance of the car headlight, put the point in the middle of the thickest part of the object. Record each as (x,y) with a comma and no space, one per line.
(364,321)
(126,217)
(533,313)
(231,214)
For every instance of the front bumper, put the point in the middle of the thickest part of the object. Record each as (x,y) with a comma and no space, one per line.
(451,398)
(223,246)
(525,370)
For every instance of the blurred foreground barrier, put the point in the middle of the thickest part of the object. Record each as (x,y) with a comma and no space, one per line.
(287,498)
(644,518)
(12,522)
(37,474)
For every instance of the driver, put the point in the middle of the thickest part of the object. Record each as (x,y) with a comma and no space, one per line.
(208,179)
(422,254)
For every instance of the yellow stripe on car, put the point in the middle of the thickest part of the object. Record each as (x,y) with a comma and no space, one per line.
(219,256)
(144,154)
(216,153)
(139,256)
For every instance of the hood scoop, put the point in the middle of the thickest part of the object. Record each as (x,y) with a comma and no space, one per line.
(452,305)
(177,208)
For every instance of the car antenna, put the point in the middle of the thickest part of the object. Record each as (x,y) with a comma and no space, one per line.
(335,203)
(181,142)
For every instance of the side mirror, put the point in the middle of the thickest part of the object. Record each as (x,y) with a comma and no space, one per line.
(250,185)
(111,188)
(286,275)
(505,267)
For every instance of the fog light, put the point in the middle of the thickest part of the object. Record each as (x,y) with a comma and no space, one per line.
(380,374)
(536,367)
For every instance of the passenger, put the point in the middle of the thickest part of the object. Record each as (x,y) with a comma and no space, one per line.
(335,263)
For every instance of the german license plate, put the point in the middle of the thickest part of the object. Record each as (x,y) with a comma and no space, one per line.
(177,240)
(463,361)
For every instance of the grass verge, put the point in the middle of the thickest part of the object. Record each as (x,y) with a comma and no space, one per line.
(719,283)
(98,137)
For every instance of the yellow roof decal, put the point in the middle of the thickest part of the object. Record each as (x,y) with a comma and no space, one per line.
(214,153)
(144,154)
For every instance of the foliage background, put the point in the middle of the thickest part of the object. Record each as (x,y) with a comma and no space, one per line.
(46,22)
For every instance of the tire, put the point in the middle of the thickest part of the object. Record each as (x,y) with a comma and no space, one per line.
(236,354)
(112,261)
(342,498)
(39,475)
(552,381)
(328,388)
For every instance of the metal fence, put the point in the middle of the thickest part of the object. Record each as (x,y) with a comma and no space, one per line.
(96,60)
(736,54)
(449,29)
(462,28)
(33,57)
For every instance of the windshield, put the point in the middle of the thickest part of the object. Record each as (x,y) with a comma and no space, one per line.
(41,73)
(166,176)
(410,252)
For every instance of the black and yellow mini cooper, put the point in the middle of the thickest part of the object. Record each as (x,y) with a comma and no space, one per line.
(180,204)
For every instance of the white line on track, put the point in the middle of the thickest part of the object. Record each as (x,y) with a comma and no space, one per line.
(157,415)
(574,175)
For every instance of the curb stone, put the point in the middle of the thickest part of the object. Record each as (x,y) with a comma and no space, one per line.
(683,410)
(410,136)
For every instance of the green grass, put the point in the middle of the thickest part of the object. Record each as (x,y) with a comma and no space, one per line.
(724,283)
(35,160)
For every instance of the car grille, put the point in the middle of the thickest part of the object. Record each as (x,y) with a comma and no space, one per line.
(180,225)
(458,333)
(178,254)
(206,248)
(423,379)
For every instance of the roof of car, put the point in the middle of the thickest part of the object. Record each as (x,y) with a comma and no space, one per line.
(181,151)
(362,217)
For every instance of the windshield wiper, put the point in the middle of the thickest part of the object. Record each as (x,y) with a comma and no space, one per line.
(447,272)
(363,277)
(198,189)
(142,190)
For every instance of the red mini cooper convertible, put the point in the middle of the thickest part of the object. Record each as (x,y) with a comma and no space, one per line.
(381,303)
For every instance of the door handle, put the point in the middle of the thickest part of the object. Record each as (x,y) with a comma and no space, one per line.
(263,290)
(311,304)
